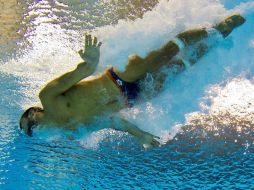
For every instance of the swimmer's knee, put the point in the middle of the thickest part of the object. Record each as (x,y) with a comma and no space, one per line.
(134,62)
(134,59)
(135,68)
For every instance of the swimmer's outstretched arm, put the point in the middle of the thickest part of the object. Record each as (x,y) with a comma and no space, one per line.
(90,55)
(121,124)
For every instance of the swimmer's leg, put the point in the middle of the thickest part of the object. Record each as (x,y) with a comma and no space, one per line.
(191,37)
(138,67)
(225,28)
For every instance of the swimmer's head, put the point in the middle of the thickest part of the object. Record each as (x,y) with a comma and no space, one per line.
(30,119)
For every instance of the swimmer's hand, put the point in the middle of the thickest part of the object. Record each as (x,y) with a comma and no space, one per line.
(147,140)
(91,52)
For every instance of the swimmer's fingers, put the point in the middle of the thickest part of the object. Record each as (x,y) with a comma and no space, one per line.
(88,40)
(81,53)
(156,137)
(99,44)
(152,143)
(94,41)
(155,141)
(150,140)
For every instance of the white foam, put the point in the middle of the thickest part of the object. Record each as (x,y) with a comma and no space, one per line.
(155,28)
(236,97)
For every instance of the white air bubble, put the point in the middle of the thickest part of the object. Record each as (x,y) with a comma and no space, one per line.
(252,43)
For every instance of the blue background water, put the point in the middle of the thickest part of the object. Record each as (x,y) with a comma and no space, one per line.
(204,116)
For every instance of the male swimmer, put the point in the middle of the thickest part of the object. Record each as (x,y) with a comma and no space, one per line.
(69,100)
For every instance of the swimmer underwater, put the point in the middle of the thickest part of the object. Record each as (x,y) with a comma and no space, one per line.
(69,100)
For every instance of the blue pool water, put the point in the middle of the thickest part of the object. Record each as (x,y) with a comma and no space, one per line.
(204,116)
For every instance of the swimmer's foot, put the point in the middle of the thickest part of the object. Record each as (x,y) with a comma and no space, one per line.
(230,23)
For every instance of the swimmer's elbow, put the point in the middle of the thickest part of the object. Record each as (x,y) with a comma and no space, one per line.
(47,92)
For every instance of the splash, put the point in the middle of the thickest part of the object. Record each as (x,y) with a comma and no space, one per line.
(53,51)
